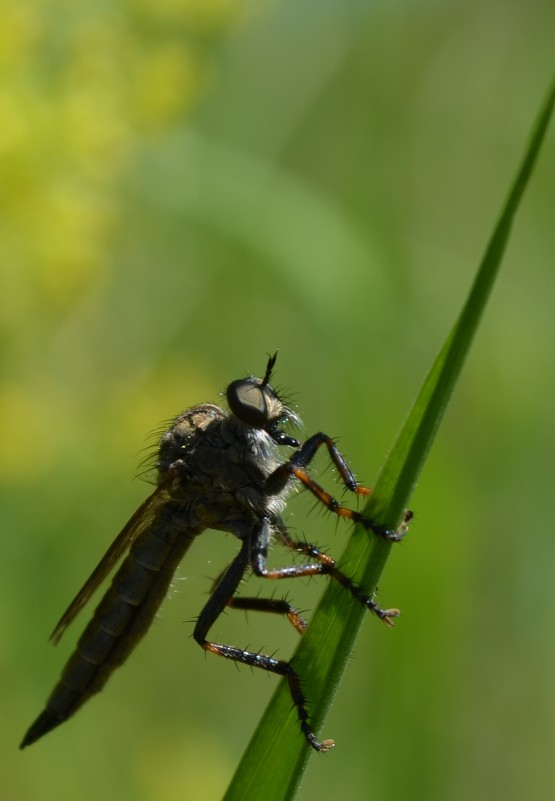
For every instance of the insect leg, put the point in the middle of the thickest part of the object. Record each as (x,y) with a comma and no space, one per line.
(395,535)
(325,566)
(296,466)
(305,454)
(278,606)
(218,600)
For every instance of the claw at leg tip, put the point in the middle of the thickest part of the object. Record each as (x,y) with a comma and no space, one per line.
(327,745)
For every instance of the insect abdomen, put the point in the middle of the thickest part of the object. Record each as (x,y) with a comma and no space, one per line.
(119,622)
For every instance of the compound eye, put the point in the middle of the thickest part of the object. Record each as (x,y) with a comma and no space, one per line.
(248,402)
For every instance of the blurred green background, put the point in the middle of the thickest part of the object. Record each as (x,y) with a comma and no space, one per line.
(187,185)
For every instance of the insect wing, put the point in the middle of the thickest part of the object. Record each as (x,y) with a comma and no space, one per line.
(111,557)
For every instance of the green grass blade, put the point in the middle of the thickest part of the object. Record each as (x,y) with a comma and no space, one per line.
(273,764)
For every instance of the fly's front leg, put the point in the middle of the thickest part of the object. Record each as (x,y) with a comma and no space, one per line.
(296,466)
(305,455)
(219,599)
(393,535)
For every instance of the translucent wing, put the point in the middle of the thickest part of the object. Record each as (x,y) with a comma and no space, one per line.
(116,550)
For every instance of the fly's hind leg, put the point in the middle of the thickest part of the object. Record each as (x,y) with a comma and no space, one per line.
(277,606)
(223,592)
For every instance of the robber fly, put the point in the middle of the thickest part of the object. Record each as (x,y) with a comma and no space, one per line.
(215,470)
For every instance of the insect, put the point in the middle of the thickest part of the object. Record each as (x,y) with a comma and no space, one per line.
(215,470)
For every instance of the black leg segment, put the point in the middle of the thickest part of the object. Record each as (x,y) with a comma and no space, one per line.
(296,466)
(223,592)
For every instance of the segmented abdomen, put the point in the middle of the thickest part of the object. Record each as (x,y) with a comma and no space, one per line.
(121,619)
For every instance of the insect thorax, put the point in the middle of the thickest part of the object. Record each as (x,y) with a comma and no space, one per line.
(219,460)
